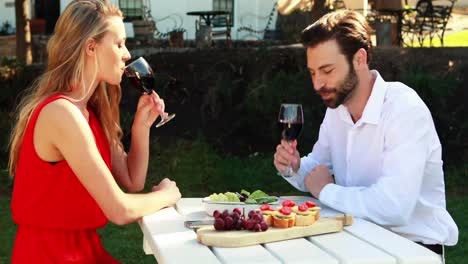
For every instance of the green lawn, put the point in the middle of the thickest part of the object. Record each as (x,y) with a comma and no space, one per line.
(459,39)
(198,172)
(458,208)
(7,229)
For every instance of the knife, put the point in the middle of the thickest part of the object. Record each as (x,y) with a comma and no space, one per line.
(196,224)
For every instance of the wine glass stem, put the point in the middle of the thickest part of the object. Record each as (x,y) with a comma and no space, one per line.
(288,172)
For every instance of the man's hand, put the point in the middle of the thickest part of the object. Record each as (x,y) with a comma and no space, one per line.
(287,154)
(317,179)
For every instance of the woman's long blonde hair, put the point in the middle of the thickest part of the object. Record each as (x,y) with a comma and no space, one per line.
(80,21)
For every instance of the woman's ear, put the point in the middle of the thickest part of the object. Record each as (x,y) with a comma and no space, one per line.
(90,47)
(360,58)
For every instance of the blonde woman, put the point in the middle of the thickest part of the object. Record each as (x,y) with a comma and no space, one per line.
(66,155)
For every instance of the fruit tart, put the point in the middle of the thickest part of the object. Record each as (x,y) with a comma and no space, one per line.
(284,218)
(304,217)
(313,208)
(268,214)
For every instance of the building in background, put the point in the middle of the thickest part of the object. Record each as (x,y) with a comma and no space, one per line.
(169,15)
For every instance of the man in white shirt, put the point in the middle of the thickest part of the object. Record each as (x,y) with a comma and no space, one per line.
(378,155)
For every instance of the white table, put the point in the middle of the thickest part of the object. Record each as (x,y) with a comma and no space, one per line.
(363,242)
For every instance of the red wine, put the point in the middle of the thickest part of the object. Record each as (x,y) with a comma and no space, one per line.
(145,83)
(291,131)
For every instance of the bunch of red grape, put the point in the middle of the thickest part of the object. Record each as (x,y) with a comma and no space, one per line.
(236,220)
(228,221)
(255,222)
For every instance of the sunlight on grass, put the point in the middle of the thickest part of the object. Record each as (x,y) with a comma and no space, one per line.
(459,39)
(199,171)
(458,209)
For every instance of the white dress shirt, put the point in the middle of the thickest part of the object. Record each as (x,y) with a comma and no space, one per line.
(387,166)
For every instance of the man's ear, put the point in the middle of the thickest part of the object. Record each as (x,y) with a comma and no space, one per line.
(360,58)
(90,47)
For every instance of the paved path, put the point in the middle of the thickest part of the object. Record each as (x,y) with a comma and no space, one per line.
(458,22)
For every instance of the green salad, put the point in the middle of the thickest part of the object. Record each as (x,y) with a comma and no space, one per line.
(256,197)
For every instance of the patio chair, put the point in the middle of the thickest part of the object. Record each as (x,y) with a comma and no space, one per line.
(442,11)
(417,24)
(222,28)
(429,20)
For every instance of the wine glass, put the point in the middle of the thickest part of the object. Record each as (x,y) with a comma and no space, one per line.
(291,120)
(142,77)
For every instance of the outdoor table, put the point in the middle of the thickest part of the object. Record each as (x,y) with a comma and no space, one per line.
(362,242)
(207,16)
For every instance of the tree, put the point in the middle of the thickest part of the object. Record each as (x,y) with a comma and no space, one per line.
(295,15)
(319,9)
(23,32)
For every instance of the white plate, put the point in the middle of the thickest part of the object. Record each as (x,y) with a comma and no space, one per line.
(211,206)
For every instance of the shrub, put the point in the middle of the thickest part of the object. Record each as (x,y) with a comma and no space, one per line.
(445,97)
(231,97)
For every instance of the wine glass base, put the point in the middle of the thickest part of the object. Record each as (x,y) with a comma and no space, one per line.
(288,172)
(165,120)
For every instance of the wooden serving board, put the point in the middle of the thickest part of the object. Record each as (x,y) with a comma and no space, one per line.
(211,237)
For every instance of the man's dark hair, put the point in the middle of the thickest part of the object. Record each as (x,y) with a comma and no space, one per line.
(349,28)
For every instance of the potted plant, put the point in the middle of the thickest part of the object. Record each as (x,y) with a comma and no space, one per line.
(176,37)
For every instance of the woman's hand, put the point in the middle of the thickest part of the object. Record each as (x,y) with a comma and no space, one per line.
(150,106)
(170,190)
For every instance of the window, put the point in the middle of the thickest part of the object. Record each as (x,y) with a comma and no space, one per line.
(132,9)
(223,5)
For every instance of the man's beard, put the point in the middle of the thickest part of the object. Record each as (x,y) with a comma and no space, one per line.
(343,91)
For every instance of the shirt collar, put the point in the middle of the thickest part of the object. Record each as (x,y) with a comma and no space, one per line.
(372,110)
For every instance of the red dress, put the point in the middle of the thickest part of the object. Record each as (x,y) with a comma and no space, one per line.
(56,216)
